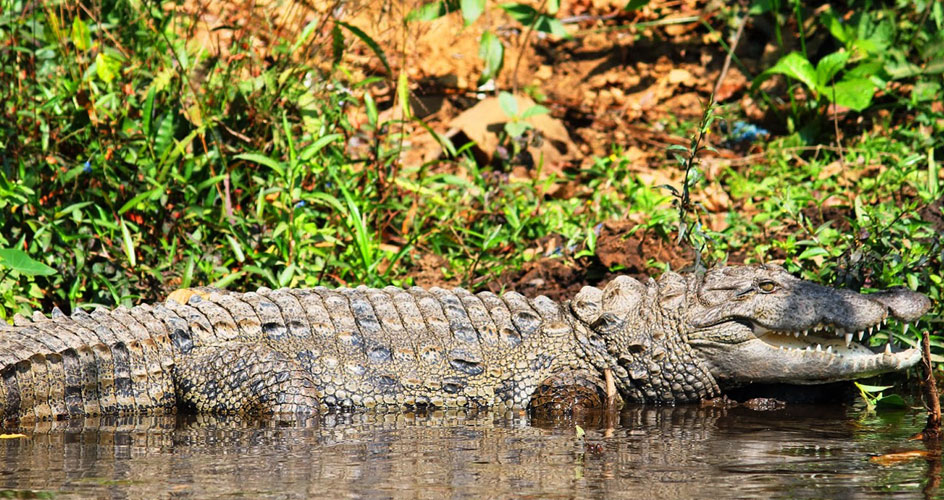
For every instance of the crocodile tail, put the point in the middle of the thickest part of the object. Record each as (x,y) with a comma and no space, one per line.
(104,362)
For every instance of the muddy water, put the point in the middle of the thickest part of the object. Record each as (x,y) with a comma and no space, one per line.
(687,452)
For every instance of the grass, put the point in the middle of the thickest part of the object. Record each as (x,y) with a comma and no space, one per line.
(132,163)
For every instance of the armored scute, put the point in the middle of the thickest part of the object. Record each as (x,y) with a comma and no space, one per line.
(679,339)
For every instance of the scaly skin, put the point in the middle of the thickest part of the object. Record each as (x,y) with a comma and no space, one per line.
(681,338)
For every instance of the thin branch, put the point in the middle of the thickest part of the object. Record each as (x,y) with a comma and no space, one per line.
(523,47)
(727,59)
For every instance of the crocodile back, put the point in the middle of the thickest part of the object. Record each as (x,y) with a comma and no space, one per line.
(106,362)
(397,348)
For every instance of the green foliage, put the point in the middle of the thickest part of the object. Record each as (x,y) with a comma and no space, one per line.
(690,228)
(851,92)
(874,397)
(876,51)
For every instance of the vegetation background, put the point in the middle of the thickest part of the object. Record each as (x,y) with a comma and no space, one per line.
(539,145)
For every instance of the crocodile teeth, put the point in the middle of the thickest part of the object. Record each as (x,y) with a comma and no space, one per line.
(905,332)
(888,348)
(848,339)
(829,349)
(796,334)
(819,348)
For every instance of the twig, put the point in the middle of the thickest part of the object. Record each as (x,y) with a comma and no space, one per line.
(727,59)
(932,430)
(523,47)
(842,157)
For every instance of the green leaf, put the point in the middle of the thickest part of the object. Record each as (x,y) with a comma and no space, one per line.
(146,112)
(471,10)
(508,104)
(793,65)
(237,249)
(137,199)
(891,401)
(372,112)
(318,145)
(286,275)
(403,95)
(535,110)
(836,27)
(227,280)
(427,12)
(72,208)
(106,67)
(21,262)
(303,37)
(263,160)
(855,94)
(370,43)
(524,14)
(547,24)
(758,7)
(81,37)
(809,253)
(872,388)
(829,66)
(516,129)
(128,244)
(635,5)
(492,53)
(337,45)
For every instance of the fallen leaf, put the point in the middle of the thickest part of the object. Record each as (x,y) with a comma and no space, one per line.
(900,457)
(677,76)
(12,436)
(482,122)
(830,170)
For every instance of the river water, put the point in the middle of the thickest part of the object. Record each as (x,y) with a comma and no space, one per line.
(643,452)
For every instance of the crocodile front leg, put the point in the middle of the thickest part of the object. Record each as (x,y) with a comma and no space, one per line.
(568,392)
(244,379)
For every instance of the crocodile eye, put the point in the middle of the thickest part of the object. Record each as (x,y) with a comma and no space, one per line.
(767,286)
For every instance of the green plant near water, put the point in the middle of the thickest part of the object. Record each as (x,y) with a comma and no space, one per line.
(690,227)
(135,164)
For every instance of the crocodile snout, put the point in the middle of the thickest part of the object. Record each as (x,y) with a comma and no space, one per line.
(902,303)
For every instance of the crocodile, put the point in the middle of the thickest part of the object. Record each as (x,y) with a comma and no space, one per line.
(681,338)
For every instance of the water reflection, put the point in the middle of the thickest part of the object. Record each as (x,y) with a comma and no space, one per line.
(684,452)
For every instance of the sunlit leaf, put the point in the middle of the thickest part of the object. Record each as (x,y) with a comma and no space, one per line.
(22,263)
(106,67)
(855,94)
(471,10)
(829,66)
(793,65)
(492,53)
(359,33)
(508,104)
(81,37)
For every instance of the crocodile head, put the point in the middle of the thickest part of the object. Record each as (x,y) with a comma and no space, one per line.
(761,324)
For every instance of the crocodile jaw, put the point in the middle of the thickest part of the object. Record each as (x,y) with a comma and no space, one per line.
(799,357)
